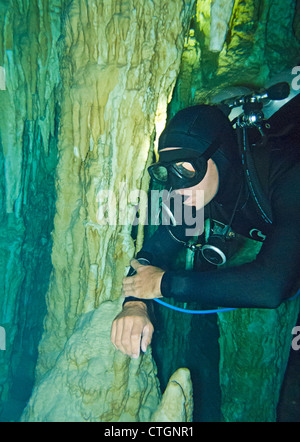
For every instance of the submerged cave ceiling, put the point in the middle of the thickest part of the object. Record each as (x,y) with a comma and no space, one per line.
(236,43)
(85,94)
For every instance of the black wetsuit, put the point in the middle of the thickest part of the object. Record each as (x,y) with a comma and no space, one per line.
(263,283)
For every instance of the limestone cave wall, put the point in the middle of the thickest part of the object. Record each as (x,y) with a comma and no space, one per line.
(233,43)
(86,87)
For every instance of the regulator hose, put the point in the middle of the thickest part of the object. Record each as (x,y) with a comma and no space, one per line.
(145,261)
(261,200)
(208,312)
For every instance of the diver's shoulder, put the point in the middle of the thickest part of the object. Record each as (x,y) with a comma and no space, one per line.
(284,164)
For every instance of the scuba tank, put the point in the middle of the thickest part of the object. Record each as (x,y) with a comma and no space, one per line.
(256,117)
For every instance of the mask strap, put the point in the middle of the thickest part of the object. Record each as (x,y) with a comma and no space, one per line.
(212,148)
(169,156)
(182,153)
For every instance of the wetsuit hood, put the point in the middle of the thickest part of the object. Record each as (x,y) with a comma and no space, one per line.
(197,128)
(206,130)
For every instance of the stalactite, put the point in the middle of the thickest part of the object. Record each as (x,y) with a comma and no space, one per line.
(120,60)
(28,156)
(253,51)
(221,11)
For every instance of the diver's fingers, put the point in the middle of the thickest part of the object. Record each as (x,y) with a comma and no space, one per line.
(147,336)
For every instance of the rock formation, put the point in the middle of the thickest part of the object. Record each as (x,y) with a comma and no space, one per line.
(84,93)
(114,64)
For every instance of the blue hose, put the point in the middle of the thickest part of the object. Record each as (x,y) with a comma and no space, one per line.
(145,261)
(207,312)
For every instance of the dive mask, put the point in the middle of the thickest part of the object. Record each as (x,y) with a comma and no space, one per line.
(179,169)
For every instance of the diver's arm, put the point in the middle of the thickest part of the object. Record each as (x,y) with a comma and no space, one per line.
(263,283)
(159,250)
(132,329)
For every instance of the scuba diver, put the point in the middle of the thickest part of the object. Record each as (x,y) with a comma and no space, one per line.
(253,195)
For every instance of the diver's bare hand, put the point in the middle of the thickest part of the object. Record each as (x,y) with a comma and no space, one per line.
(145,284)
(132,329)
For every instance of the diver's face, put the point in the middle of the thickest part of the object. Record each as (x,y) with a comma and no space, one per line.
(209,185)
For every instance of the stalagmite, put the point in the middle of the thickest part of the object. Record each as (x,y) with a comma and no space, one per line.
(91,382)
(177,402)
